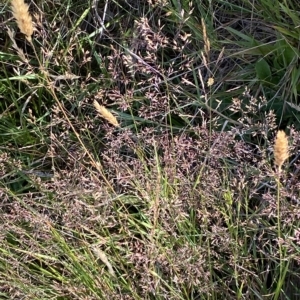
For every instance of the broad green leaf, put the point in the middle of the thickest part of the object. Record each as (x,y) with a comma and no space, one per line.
(263,71)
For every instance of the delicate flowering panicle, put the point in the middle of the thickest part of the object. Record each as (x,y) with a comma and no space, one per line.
(281,149)
(23,18)
(106,114)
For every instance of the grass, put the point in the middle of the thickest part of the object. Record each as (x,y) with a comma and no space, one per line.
(182,198)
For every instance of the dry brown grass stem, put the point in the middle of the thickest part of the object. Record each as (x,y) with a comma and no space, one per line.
(23,18)
(106,114)
(281,149)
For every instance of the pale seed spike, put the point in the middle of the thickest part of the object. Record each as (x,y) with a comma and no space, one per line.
(23,18)
(106,114)
(281,149)
(205,39)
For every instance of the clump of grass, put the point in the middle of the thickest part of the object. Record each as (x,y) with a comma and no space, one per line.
(281,152)
(23,18)
(180,211)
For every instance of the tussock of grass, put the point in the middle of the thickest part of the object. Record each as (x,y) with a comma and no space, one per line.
(171,196)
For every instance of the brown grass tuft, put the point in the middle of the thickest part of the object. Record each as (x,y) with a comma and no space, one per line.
(23,18)
(281,149)
(106,114)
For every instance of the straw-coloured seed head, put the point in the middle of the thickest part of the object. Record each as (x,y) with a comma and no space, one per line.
(23,18)
(205,39)
(106,114)
(210,81)
(281,149)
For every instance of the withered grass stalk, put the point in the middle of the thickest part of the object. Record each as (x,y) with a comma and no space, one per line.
(281,149)
(23,18)
(106,114)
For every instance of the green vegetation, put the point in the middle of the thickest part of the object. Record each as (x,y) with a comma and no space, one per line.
(182,200)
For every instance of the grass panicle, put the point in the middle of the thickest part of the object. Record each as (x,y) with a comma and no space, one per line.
(106,114)
(23,18)
(281,149)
